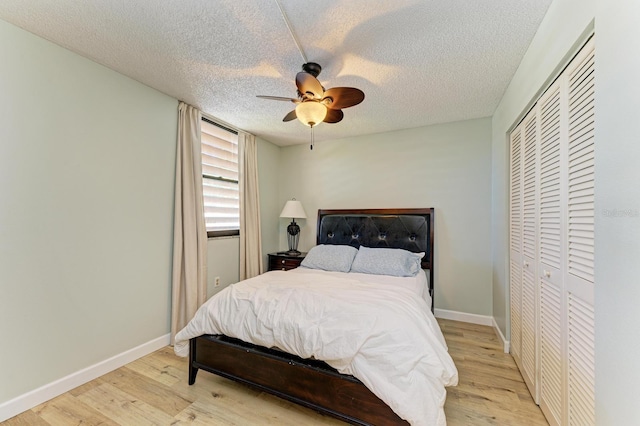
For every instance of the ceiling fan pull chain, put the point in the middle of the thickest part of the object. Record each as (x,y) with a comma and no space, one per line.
(312,139)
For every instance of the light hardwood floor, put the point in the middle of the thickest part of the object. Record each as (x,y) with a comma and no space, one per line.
(154,391)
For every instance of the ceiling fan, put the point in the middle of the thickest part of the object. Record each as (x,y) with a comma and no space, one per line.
(314,104)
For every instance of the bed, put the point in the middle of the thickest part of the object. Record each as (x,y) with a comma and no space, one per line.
(300,370)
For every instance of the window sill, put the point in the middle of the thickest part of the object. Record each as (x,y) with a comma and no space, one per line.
(223,234)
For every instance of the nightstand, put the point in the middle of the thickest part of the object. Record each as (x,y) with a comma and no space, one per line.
(284,262)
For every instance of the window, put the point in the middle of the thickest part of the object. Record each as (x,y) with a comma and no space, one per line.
(220,179)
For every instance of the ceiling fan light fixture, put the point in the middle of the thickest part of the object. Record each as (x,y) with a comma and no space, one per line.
(311,113)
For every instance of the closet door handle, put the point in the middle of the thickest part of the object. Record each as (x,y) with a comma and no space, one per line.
(547,273)
(525,264)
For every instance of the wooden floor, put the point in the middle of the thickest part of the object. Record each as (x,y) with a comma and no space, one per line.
(490,389)
(154,391)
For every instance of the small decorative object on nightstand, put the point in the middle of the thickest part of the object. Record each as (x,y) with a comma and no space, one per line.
(283,262)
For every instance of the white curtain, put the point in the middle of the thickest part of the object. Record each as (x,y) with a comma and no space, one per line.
(250,235)
(189,282)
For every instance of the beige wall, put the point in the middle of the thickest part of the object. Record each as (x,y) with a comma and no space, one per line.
(446,166)
(87,161)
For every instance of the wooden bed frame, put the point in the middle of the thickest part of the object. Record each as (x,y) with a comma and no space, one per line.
(313,383)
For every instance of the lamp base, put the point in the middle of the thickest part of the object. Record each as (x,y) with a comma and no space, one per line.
(293,234)
(293,253)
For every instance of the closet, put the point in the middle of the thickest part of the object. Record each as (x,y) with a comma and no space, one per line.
(551,212)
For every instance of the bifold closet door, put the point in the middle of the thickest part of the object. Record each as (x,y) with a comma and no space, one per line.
(515,246)
(523,248)
(580,240)
(550,255)
(529,292)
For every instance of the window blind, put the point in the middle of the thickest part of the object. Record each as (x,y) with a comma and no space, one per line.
(220,179)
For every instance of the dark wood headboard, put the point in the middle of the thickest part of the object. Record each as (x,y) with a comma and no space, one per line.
(408,229)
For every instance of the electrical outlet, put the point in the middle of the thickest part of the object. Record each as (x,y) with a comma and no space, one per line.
(217,282)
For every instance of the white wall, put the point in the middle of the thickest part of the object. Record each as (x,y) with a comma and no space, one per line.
(446,166)
(223,261)
(87,160)
(562,30)
(223,257)
(270,207)
(617,291)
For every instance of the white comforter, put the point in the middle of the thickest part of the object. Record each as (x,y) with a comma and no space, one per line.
(379,330)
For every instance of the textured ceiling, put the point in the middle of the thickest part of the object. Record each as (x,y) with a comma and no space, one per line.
(419,62)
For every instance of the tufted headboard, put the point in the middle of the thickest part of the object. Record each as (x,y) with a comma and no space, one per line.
(408,229)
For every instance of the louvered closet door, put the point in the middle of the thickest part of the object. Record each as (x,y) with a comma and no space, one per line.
(529,249)
(551,115)
(580,239)
(552,245)
(515,245)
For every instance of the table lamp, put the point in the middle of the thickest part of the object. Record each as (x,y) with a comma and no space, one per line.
(293,209)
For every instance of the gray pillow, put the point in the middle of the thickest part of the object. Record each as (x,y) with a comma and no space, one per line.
(330,257)
(387,261)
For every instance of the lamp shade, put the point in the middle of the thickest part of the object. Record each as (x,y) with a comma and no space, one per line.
(311,113)
(293,209)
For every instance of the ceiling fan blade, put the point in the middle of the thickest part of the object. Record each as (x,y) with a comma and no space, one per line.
(333,116)
(291,116)
(279,98)
(309,85)
(342,97)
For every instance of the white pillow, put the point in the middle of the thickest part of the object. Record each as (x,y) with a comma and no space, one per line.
(329,257)
(387,261)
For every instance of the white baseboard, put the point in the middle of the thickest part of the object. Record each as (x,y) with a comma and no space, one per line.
(506,344)
(44,393)
(474,319)
(464,317)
